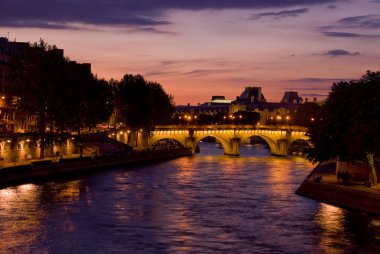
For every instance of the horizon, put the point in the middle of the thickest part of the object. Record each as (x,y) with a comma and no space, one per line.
(200,49)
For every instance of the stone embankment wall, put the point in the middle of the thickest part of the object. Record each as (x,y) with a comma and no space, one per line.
(347,196)
(46,168)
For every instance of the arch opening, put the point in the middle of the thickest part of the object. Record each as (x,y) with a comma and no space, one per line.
(165,144)
(298,147)
(257,145)
(211,144)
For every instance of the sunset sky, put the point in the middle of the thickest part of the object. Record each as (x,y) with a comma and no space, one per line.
(200,48)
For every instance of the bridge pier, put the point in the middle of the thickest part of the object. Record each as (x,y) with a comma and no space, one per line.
(281,149)
(233,148)
(191,144)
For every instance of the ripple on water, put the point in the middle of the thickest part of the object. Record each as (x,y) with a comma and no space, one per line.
(209,203)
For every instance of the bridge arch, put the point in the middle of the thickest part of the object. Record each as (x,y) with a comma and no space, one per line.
(230,137)
(225,143)
(165,143)
(168,135)
(298,145)
(271,143)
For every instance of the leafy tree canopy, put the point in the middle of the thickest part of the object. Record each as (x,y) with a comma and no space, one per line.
(306,114)
(348,125)
(142,104)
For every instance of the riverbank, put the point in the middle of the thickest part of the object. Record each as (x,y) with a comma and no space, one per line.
(38,170)
(322,184)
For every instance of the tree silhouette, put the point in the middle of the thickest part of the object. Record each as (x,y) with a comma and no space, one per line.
(348,124)
(142,104)
(37,75)
(306,114)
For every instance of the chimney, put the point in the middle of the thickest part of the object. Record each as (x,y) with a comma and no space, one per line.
(306,100)
(314,99)
(188,104)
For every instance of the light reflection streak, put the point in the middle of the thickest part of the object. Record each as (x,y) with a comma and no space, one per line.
(330,219)
(20,215)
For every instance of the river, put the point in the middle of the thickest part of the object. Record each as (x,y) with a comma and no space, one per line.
(209,203)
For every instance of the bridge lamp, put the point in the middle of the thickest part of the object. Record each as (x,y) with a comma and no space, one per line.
(312,119)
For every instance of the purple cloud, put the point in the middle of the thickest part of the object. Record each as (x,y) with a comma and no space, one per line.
(57,14)
(343,27)
(281,14)
(340,52)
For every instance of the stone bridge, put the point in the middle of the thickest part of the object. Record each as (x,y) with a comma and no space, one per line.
(279,139)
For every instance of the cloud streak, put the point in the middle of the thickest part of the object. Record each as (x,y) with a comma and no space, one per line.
(63,14)
(318,80)
(347,27)
(340,52)
(281,14)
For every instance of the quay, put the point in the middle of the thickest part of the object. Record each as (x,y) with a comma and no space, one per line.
(52,168)
(323,185)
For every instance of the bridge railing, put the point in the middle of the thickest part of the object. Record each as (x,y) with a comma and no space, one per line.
(230,126)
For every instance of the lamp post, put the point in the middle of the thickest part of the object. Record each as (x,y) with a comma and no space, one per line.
(287,118)
(278,118)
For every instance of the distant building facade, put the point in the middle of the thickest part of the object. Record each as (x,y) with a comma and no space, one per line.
(252,99)
(218,105)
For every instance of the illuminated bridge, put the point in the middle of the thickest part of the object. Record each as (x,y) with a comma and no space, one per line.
(279,139)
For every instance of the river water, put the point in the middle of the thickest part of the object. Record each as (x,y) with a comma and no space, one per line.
(209,203)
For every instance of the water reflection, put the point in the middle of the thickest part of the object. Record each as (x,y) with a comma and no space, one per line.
(209,203)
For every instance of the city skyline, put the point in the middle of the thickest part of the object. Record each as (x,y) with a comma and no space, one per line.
(198,49)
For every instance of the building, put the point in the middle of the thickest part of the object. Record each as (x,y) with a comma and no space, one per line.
(8,103)
(218,105)
(252,99)
(291,97)
(250,95)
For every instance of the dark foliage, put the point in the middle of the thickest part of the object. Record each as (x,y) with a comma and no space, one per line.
(348,125)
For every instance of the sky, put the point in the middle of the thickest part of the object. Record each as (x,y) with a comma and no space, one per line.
(200,48)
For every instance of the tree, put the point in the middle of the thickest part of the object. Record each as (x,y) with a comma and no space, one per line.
(348,124)
(62,94)
(36,77)
(142,104)
(306,114)
(247,117)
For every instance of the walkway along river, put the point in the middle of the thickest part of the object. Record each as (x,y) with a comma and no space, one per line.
(209,203)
